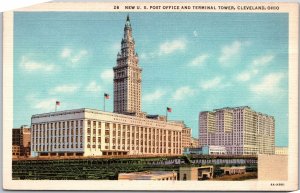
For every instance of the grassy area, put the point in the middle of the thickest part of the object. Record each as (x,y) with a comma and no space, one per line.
(237,177)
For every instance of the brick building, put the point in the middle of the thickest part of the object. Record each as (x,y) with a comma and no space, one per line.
(21,141)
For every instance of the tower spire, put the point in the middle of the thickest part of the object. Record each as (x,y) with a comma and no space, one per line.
(127,75)
(128,24)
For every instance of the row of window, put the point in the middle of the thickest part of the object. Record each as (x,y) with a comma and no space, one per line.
(50,133)
(58,139)
(53,147)
(60,124)
(151,139)
(140,149)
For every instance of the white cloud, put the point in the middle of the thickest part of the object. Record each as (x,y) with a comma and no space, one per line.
(230,51)
(170,47)
(107,75)
(76,58)
(44,104)
(210,84)
(254,71)
(148,55)
(263,60)
(30,65)
(199,60)
(244,76)
(93,87)
(269,85)
(72,56)
(165,48)
(195,33)
(248,74)
(156,95)
(255,67)
(66,88)
(66,52)
(183,92)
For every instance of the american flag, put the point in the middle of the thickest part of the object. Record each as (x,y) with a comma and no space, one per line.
(169,109)
(106,95)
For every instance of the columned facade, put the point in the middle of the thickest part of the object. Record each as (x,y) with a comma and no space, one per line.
(88,132)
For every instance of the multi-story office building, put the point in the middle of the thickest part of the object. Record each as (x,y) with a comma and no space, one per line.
(241,130)
(21,141)
(186,137)
(206,127)
(92,132)
(194,142)
(127,131)
(266,134)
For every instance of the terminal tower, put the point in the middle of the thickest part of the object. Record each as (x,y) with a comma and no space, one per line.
(127,76)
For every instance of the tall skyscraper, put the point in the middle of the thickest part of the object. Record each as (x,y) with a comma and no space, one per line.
(127,76)
(241,130)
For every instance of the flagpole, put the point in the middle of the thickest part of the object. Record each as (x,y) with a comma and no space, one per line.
(55,106)
(166,114)
(104,102)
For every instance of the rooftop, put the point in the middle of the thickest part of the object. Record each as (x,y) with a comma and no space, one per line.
(96,111)
(235,108)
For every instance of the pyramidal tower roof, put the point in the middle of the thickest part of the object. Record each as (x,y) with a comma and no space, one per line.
(128,24)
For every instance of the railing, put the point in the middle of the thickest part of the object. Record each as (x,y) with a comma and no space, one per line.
(56,157)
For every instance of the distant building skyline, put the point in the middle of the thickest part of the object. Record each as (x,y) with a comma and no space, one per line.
(222,59)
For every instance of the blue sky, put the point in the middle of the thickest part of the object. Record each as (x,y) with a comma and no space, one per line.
(191,62)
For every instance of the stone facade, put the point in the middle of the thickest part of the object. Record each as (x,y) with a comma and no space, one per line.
(186,137)
(90,132)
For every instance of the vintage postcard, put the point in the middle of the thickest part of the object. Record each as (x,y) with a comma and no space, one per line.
(151,96)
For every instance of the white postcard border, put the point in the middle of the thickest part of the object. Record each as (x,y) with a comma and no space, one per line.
(291,184)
